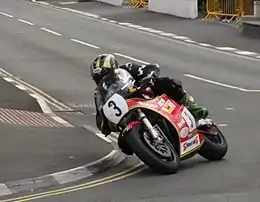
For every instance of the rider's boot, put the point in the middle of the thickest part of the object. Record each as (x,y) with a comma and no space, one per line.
(197,111)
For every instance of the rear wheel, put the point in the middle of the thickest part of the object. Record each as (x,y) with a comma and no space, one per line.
(160,156)
(215,146)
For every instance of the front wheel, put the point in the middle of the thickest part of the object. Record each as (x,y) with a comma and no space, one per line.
(165,161)
(215,146)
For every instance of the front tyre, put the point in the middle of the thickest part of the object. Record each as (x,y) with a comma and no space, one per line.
(215,146)
(138,143)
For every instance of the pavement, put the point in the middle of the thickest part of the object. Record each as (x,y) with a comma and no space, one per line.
(37,151)
(211,32)
(16,99)
(227,84)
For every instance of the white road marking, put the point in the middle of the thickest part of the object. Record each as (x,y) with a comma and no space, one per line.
(229,108)
(84,43)
(220,84)
(134,26)
(180,37)
(131,58)
(222,125)
(252,91)
(4,190)
(21,87)
(62,121)
(213,82)
(7,15)
(226,48)
(45,108)
(190,41)
(97,133)
(245,53)
(26,22)
(50,31)
(205,44)
(67,3)
(8,79)
(155,31)
(123,23)
(167,34)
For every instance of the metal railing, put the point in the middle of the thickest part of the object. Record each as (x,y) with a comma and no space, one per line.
(230,9)
(138,3)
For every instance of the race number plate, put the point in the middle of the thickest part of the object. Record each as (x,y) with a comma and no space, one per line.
(115,108)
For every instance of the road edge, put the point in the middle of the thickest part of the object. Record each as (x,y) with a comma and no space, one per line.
(112,159)
(183,39)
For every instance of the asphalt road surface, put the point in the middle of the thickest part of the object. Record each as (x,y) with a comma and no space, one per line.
(52,49)
(212,32)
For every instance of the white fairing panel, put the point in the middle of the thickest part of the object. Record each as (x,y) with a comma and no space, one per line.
(189,119)
(115,108)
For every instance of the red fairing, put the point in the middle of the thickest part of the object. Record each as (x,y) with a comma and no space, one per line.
(170,110)
(131,125)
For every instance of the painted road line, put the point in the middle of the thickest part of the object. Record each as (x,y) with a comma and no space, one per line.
(26,22)
(220,84)
(50,100)
(7,15)
(245,53)
(4,190)
(62,121)
(50,31)
(229,108)
(42,103)
(167,34)
(84,43)
(81,172)
(180,37)
(222,125)
(45,108)
(205,45)
(190,41)
(99,134)
(131,58)
(68,3)
(21,87)
(226,48)
(240,53)
(8,79)
(127,173)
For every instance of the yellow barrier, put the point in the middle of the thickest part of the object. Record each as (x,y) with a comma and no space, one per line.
(226,8)
(138,3)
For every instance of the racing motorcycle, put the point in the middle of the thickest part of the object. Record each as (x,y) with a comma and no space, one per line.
(158,130)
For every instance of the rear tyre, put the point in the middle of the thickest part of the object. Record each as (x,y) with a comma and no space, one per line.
(138,143)
(215,147)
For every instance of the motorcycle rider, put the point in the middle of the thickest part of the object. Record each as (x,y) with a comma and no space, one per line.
(106,63)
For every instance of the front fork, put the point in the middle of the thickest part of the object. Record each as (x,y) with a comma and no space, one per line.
(147,123)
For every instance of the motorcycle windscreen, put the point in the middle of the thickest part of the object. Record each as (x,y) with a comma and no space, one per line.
(119,82)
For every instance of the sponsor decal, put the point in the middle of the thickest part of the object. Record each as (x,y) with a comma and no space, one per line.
(146,104)
(190,144)
(184,132)
(180,123)
(168,107)
(161,102)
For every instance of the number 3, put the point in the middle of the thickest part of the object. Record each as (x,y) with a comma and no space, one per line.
(113,104)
